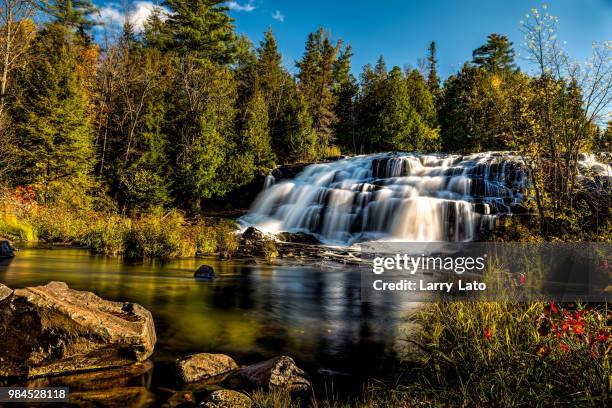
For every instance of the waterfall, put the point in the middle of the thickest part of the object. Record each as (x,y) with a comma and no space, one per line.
(394,196)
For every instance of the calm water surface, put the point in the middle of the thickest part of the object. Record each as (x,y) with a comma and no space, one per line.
(253,311)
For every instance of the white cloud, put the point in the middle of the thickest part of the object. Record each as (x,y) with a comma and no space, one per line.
(234,5)
(278,16)
(113,15)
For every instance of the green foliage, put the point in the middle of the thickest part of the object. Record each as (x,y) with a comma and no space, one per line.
(300,139)
(433,81)
(73,14)
(508,354)
(317,81)
(55,138)
(496,55)
(202,29)
(256,134)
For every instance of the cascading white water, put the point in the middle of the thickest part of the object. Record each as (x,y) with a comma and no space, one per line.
(396,196)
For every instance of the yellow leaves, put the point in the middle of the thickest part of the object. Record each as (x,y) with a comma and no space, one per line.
(496,81)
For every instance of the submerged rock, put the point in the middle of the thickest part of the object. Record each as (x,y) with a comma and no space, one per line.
(52,329)
(6,249)
(205,272)
(199,367)
(227,399)
(278,372)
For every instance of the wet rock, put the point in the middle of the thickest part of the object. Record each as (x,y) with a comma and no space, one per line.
(227,399)
(299,238)
(199,367)
(6,249)
(205,272)
(52,329)
(252,242)
(5,293)
(278,372)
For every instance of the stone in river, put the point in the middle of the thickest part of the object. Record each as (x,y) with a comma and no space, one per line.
(227,399)
(204,366)
(276,373)
(52,329)
(205,272)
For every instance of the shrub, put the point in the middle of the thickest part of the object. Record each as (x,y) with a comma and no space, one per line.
(159,236)
(107,235)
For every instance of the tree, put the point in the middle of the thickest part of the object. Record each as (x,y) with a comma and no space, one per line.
(474,113)
(202,29)
(496,55)
(256,133)
(274,82)
(54,132)
(201,127)
(18,30)
(567,101)
(403,127)
(316,83)
(369,106)
(300,139)
(346,90)
(433,81)
(75,15)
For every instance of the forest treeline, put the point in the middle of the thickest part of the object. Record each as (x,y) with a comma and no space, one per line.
(185,109)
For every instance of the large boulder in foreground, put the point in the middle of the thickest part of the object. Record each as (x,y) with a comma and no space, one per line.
(276,373)
(227,399)
(52,329)
(203,366)
(6,249)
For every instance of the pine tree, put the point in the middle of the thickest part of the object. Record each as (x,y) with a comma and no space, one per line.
(55,139)
(496,55)
(345,95)
(433,81)
(316,82)
(300,139)
(274,82)
(403,128)
(77,15)
(421,98)
(202,29)
(256,133)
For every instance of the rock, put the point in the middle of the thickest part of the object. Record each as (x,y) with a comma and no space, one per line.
(252,242)
(52,329)
(227,399)
(204,366)
(5,293)
(6,249)
(299,238)
(205,272)
(278,372)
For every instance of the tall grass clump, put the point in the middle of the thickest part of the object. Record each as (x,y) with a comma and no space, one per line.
(511,354)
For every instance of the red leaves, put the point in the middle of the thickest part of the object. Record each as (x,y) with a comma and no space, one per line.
(488,333)
(572,330)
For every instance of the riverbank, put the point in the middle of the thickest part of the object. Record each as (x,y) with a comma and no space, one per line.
(465,354)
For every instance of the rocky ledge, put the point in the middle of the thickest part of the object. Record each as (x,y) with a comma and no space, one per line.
(52,329)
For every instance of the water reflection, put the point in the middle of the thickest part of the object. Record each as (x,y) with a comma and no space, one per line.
(252,311)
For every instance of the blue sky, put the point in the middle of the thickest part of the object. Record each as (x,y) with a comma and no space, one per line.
(401,30)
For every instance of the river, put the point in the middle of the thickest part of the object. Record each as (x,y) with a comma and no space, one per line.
(252,311)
